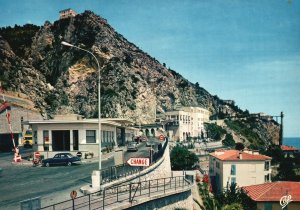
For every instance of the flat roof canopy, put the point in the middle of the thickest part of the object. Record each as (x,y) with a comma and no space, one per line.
(108,121)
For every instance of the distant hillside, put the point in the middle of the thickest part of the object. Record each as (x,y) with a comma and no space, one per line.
(62,80)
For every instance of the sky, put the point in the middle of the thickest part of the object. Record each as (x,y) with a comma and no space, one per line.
(246,51)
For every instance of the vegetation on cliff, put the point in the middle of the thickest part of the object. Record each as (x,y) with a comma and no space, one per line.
(134,85)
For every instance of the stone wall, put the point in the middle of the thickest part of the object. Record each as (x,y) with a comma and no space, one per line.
(16,113)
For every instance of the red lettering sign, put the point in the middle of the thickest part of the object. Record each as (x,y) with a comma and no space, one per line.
(138,162)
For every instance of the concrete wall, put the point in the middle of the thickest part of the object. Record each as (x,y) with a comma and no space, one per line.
(179,200)
(160,169)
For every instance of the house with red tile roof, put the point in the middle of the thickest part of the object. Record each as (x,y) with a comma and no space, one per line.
(240,167)
(289,151)
(275,195)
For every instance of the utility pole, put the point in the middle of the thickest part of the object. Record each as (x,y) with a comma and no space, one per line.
(281,129)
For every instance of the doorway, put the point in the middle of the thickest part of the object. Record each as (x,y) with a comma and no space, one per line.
(61,140)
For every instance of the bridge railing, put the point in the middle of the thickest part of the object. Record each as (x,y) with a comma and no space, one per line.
(117,196)
(116,172)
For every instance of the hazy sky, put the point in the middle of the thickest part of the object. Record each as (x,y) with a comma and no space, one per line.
(247,51)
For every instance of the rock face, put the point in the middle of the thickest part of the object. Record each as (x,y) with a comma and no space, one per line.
(60,79)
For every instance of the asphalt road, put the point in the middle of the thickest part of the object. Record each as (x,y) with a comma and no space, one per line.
(21,182)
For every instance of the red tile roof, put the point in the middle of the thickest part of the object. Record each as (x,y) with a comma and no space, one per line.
(273,191)
(238,155)
(288,148)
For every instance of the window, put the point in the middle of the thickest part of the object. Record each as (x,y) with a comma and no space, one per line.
(90,136)
(46,140)
(233,180)
(267,177)
(217,164)
(267,206)
(267,165)
(233,170)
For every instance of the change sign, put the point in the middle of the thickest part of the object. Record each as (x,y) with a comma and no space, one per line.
(138,162)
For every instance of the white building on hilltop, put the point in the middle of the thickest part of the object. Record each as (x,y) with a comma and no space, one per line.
(66,13)
(186,122)
(240,167)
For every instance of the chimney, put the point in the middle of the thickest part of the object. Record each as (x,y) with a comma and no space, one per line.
(219,152)
(240,156)
(247,151)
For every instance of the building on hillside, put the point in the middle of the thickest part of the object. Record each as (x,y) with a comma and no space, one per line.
(73,133)
(229,102)
(17,115)
(289,151)
(273,195)
(186,122)
(66,13)
(240,167)
(151,130)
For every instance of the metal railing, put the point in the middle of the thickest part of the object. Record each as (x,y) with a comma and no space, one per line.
(116,172)
(117,196)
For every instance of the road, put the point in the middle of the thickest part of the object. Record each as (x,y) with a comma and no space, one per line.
(21,182)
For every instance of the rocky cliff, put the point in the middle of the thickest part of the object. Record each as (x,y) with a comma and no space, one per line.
(59,79)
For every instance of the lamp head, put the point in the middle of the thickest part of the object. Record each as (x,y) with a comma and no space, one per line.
(67,44)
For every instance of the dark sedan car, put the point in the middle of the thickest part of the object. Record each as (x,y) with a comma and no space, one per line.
(61,159)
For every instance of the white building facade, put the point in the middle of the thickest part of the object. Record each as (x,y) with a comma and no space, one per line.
(186,122)
(240,167)
(74,134)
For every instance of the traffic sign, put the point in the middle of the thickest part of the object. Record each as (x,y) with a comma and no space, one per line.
(73,194)
(138,161)
(161,137)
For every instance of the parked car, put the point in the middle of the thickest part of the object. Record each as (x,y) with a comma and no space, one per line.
(144,138)
(150,143)
(132,146)
(137,139)
(61,159)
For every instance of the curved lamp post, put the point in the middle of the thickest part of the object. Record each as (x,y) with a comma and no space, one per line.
(99,102)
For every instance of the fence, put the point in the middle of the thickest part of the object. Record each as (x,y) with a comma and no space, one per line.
(115,172)
(123,194)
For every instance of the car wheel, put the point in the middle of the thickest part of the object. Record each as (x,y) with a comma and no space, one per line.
(47,164)
(69,163)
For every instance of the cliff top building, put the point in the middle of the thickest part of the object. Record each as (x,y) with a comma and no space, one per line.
(66,13)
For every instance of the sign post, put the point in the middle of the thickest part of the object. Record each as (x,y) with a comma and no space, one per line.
(73,195)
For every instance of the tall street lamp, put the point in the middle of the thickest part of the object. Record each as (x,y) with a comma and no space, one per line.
(99,102)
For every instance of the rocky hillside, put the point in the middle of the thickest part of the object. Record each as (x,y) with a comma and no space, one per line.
(59,79)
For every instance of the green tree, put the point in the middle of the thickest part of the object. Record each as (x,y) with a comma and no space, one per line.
(239,146)
(228,141)
(275,152)
(234,206)
(182,158)
(235,195)
(286,170)
(209,202)
(214,131)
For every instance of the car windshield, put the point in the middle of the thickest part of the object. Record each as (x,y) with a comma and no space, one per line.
(132,144)
(69,155)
